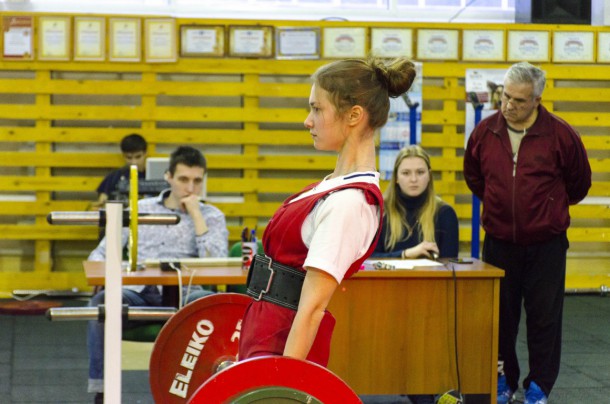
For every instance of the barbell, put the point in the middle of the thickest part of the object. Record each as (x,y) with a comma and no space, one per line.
(194,358)
(99,218)
(144,313)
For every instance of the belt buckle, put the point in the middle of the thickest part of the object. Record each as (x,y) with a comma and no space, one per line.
(260,296)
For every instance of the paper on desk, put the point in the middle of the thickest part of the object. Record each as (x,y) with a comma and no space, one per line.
(197,262)
(400,264)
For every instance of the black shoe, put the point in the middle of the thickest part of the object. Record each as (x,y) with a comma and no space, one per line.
(99,398)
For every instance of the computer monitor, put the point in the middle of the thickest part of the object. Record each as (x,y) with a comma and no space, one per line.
(156,167)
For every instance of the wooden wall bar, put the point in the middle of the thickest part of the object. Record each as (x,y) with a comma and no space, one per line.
(61,122)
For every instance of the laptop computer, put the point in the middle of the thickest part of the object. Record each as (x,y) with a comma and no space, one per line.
(157,166)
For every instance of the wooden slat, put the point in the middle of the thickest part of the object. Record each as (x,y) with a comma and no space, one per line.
(594,119)
(168,88)
(577,94)
(596,142)
(156,136)
(46,281)
(566,72)
(22,183)
(90,160)
(41,208)
(201,66)
(47,232)
(599,212)
(137,113)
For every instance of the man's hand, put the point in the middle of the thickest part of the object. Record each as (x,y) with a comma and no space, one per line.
(190,204)
(97,205)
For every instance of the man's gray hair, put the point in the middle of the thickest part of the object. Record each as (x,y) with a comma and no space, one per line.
(526,73)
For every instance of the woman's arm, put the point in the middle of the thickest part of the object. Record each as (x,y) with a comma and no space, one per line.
(390,254)
(341,230)
(317,291)
(447,232)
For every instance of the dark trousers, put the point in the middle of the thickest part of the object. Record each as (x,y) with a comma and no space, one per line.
(534,275)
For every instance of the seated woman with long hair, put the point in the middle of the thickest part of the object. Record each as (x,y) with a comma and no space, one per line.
(416,223)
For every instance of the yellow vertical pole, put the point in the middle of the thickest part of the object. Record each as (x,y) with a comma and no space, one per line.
(133,218)
(449,130)
(251,150)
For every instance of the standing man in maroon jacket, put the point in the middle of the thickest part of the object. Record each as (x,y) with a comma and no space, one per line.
(527,166)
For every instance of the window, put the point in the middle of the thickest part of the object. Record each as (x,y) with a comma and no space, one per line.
(353,10)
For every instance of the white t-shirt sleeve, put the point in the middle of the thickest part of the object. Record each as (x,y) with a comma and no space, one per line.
(339,230)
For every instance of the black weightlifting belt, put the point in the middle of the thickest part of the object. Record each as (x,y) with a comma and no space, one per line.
(273,282)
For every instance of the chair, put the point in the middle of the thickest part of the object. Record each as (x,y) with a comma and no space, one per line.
(235,251)
(143,333)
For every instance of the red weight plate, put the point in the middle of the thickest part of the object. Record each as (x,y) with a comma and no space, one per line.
(192,344)
(262,372)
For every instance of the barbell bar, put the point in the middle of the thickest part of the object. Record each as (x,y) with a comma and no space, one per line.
(137,313)
(98,218)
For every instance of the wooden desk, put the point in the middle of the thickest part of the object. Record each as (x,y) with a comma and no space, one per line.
(395,329)
(230,275)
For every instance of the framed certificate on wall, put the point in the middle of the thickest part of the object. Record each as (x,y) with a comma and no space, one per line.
(125,37)
(54,38)
(89,38)
(160,40)
(437,44)
(531,46)
(202,40)
(603,47)
(297,43)
(18,37)
(344,42)
(392,42)
(251,41)
(485,45)
(573,47)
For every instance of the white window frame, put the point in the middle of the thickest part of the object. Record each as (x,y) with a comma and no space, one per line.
(295,10)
